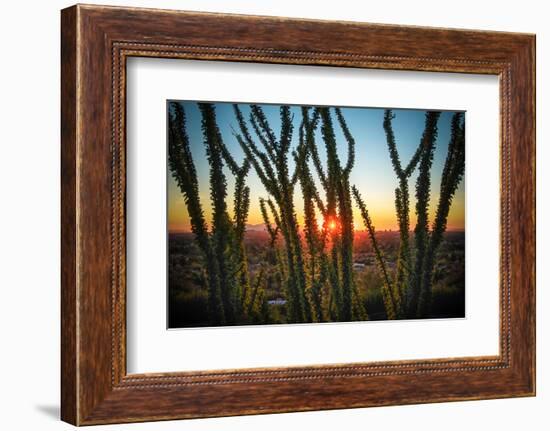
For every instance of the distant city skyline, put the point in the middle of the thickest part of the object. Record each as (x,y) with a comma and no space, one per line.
(372,174)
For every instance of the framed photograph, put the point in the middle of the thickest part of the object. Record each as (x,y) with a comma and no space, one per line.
(264,215)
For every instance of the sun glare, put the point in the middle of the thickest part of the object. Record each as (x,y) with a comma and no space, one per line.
(331,224)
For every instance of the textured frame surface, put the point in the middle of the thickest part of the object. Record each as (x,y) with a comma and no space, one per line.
(96,41)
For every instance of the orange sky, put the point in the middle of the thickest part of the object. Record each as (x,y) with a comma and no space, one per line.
(372,174)
(382,214)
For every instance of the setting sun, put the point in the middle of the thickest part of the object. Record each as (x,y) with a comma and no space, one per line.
(331,224)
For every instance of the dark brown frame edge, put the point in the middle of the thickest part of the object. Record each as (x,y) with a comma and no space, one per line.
(95,43)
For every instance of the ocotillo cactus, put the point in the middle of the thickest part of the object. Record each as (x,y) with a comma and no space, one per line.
(315,238)
(241,204)
(453,173)
(183,170)
(271,165)
(334,267)
(222,236)
(338,207)
(391,300)
(222,247)
(402,211)
(409,295)
(336,264)
(421,231)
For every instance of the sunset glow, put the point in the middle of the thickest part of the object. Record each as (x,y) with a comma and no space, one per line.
(373,174)
(285,214)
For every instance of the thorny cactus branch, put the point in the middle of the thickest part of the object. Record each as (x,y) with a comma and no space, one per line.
(315,239)
(300,155)
(223,247)
(413,281)
(257,115)
(390,139)
(241,202)
(272,231)
(421,231)
(312,148)
(350,141)
(453,172)
(390,302)
(287,128)
(275,213)
(272,168)
(414,161)
(222,229)
(338,211)
(183,170)
(263,139)
(260,160)
(402,209)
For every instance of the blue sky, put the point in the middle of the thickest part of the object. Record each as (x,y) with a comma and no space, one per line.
(372,173)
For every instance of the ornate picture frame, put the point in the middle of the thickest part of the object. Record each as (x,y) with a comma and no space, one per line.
(96,41)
